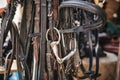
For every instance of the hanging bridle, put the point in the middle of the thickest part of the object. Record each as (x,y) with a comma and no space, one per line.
(87,8)
(65,29)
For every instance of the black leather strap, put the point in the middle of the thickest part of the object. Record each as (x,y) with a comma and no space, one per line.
(87,6)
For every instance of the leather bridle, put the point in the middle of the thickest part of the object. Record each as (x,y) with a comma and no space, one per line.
(91,26)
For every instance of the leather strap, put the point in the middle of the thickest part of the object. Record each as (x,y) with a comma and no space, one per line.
(49,65)
(10,11)
(43,26)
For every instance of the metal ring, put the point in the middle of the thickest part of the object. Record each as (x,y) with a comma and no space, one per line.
(59,37)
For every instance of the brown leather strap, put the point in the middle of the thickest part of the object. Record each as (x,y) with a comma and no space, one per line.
(55,10)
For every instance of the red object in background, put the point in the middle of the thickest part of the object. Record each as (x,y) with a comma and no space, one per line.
(111,47)
(2,10)
(8,1)
(110,44)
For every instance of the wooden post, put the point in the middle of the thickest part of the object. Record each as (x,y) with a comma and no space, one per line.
(118,63)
